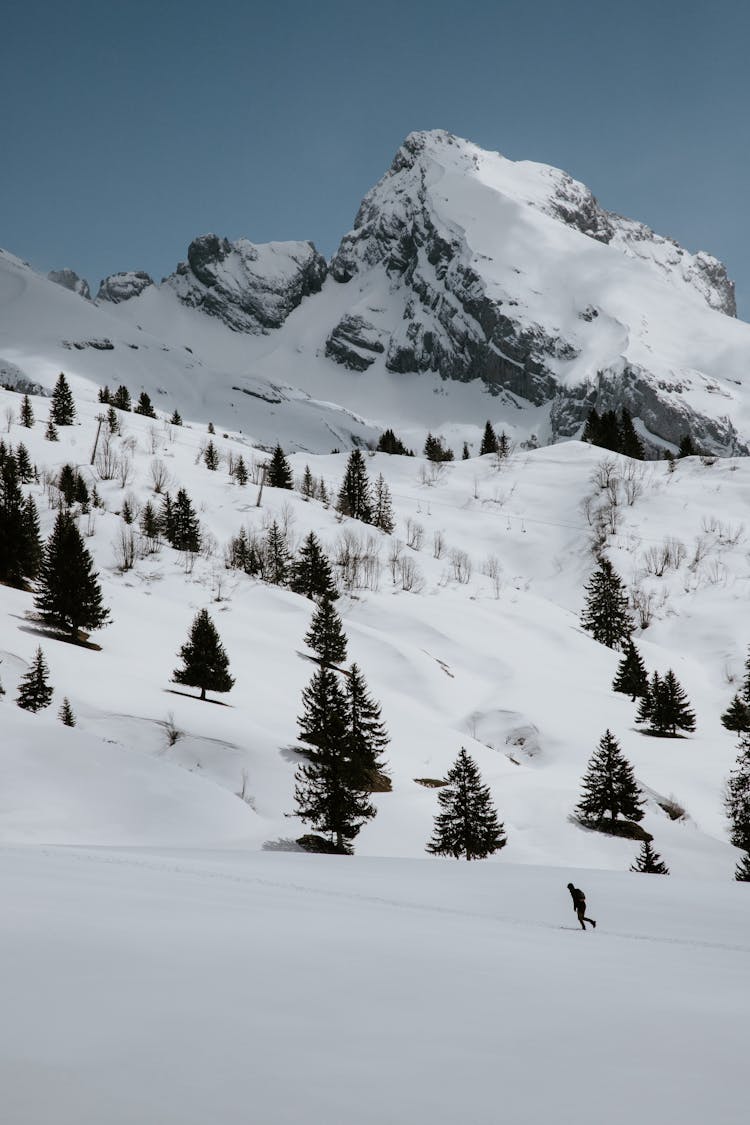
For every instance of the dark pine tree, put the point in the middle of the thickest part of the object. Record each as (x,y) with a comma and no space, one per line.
(211,457)
(113,422)
(150,525)
(737,715)
(666,707)
(737,797)
(205,662)
(34,690)
(311,571)
(742,870)
(105,395)
(62,407)
(366,734)
(180,523)
(240,472)
(435,449)
(592,428)
(382,509)
(279,471)
(175,420)
(65,714)
(144,406)
(630,443)
(390,443)
(467,825)
(326,793)
(121,398)
(354,498)
(609,787)
(27,413)
(66,482)
(26,471)
(276,558)
(503,445)
(326,636)
(19,528)
(465,455)
(648,862)
(609,431)
(50,434)
(307,487)
(606,614)
(687,446)
(632,677)
(68,593)
(489,440)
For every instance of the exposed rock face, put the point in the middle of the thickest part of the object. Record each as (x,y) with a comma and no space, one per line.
(355,343)
(69,279)
(122,286)
(251,288)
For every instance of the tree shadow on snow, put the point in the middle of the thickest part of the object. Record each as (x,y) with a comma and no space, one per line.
(188,695)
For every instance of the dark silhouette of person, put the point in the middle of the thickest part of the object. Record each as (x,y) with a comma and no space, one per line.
(579,905)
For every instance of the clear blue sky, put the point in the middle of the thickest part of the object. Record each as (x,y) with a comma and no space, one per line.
(127,129)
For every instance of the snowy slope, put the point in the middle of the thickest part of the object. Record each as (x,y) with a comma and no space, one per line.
(185,988)
(484,650)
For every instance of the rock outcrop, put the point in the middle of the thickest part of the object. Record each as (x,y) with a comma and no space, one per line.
(69,279)
(123,286)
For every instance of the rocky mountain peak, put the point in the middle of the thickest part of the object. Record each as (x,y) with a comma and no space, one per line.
(123,286)
(69,279)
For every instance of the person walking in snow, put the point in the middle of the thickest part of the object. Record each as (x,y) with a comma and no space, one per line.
(579,905)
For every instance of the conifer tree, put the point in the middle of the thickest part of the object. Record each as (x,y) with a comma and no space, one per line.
(150,525)
(630,444)
(34,690)
(435,449)
(205,662)
(121,398)
(211,428)
(354,498)
(307,487)
(665,707)
(382,514)
(65,714)
(113,422)
(105,395)
(68,593)
(648,862)
(609,787)
(737,715)
(279,471)
(366,734)
(687,446)
(19,528)
(180,523)
(326,636)
(240,472)
(467,825)
(175,420)
(323,492)
(592,428)
(211,457)
(742,870)
(50,434)
(26,472)
(388,442)
(465,455)
(737,796)
(62,407)
(27,413)
(276,558)
(325,794)
(66,482)
(30,546)
(311,571)
(144,406)
(503,445)
(606,614)
(632,677)
(489,440)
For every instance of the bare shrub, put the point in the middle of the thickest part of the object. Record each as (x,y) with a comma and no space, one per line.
(438,544)
(493,570)
(153,439)
(604,475)
(395,552)
(409,575)
(669,556)
(10,417)
(107,460)
(125,548)
(414,534)
(124,470)
(643,604)
(430,473)
(159,476)
(172,731)
(460,563)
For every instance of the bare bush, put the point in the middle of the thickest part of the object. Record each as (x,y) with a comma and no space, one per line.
(409,575)
(107,459)
(604,475)
(125,548)
(154,440)
(124,470)
(493,569)
(357,561)
(438,544)
(430,473)
(159,476)
(10,417)
(669,556)
(395,553)
(643,604)
(414,534)
(460,566)
(172,731)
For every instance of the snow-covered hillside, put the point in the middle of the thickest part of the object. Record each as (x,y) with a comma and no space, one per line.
(468,633)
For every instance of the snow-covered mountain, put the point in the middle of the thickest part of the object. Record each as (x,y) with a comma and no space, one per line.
(471,286)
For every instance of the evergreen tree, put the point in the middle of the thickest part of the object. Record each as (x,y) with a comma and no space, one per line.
(279,471)
(630,444)
(211,428)
(50,434)
(503,445)
(150,524)
(34,690)
(325,792)
(632,677)
(308,486)
(27,413)
(435,450)
(30,546)
(742,870)
(606,614)
(467,824)
(104,395)
(465,455)
(311,571)
(62,407)
(66,716)
(649,862)
(737,797)
(609,431)
(180,523)
(666,707)
(26,471)
(276,559)
(81,494)
(687,446)
(240,472)
(211,457)
(205,662)
(390,443)
(66,482)
(144,406)
(609,787)
(68,593)
(367,736)
(737,715)
(489,440)
(175,420)
(326,636)
(592,428)
(126,511)
(322,492)
(382,515)
(19,528)
(121,398)
(113,422)
(354,497)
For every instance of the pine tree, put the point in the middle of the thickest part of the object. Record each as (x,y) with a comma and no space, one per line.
(276,558)
(742,870)
(307,487)
(465,455)
(609,431)
(737,796)
(606,614)
(113,422)
(391,444)
(687,446)
(62,407)
(144,406)
(435,450)
(311,571)
(34,690)
(326,636)
(467,824)
(66,482)
(609,787)
(105,395)
(630,444)
(325,793)
(126,512)
(65,714)
(50,434)
(632,677)
(68,593)
(666,707)
(354,498)
(367,736)
(592,428)
(382,515)
(489,440)
(279,471)
(150,525)
(19,528)
(503,445)
(322,492)
(648,862)
(30,546)
(175,420)
(27,413)
(205,662)
(180,523)
(26,471)
(211,457)
(121,398)
(211,428)
(737,715)
(240,472)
